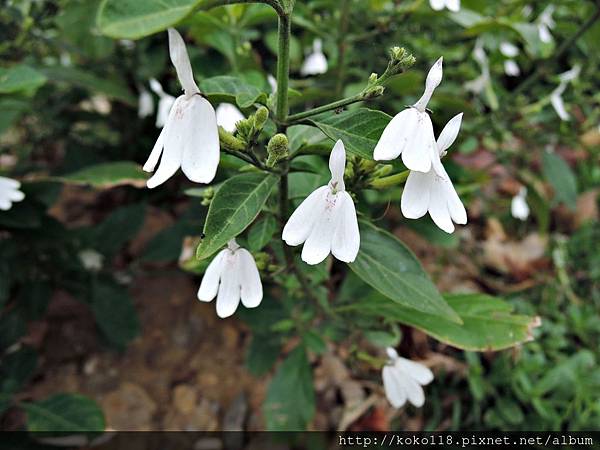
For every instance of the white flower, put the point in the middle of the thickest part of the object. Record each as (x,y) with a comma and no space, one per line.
(91,259)
(231,276)
(145,104)
(165,103)
(519,208)
(438,5)
(272,83)
(402,380)
(228,115)
(433,192)
(478,84)
(511,68)
(190,138)
(545,24)
(556,96)
(9,193)
(316,62)
(509,50)
(326,220)
(410,132)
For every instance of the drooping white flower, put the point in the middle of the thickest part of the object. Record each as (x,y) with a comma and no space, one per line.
(556,95)
(165,103)
(478,85)
(91,259)
(438,5)
(545,23)
(272,83)
(316,62)
(403,380)
(9,193)
(410,132)
(511,68)
(433,192)
(231,276)
(228,115)
(326,220)
(145,104)
(190,138)
(519,208)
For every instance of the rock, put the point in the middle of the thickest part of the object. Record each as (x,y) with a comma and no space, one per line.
(129,408)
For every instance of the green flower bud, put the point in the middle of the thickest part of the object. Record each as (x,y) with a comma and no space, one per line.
(260,117)
(277,149)
(374,91)
(372,79)
(207,196)
(230,142)
(397,54)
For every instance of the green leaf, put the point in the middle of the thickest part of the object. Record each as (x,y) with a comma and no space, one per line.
(561,177)
(229,89)
(262,354)
(290,402)
(16,369)
(261,233)
(235,206)
(118,228)
(133,19)
(108,175)
(389,266)
(11,109)
(114,312)
(20,78)
(488,322)
(360,129)
(64,413)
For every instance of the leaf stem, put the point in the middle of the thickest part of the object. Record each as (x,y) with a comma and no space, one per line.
(294,118)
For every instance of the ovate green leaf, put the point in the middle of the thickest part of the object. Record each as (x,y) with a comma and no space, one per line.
(108,175)
(561,177)
(67,413)
(20,78)
(360,129)
(390,267)
(235,206)
(232,89)
(261,233)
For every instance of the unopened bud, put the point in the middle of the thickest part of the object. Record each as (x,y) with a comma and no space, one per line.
(372,79)
(277,149)
(397,54)
(374,91)
(260,117)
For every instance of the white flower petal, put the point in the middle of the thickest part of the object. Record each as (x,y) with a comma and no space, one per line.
(421,147)
(209,285)
(181,61)
(5,204)
(392,353)
(394,391)
(200,157)
(396,135)
(449,133)
(316,62)
(559,106)
(519,208)
(437,5)
(420,373)
(453,5)
(156,87)
(251,286)
(227,116)
(337,165)
(155,153)
(413,390)
(544,33)
(511,68)
(164,108)
(457,210)
(299,225)
(228,297)
(434,78)
(174,133)
(145,104)
(346,239)
(417,191)
(509,50)
(14,195)
(318,244)
(438,207)
(9,183)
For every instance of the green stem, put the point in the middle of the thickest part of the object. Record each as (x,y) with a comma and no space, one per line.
(541,70)
(283,67)
(342,46)
(392,180)
(328,107)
